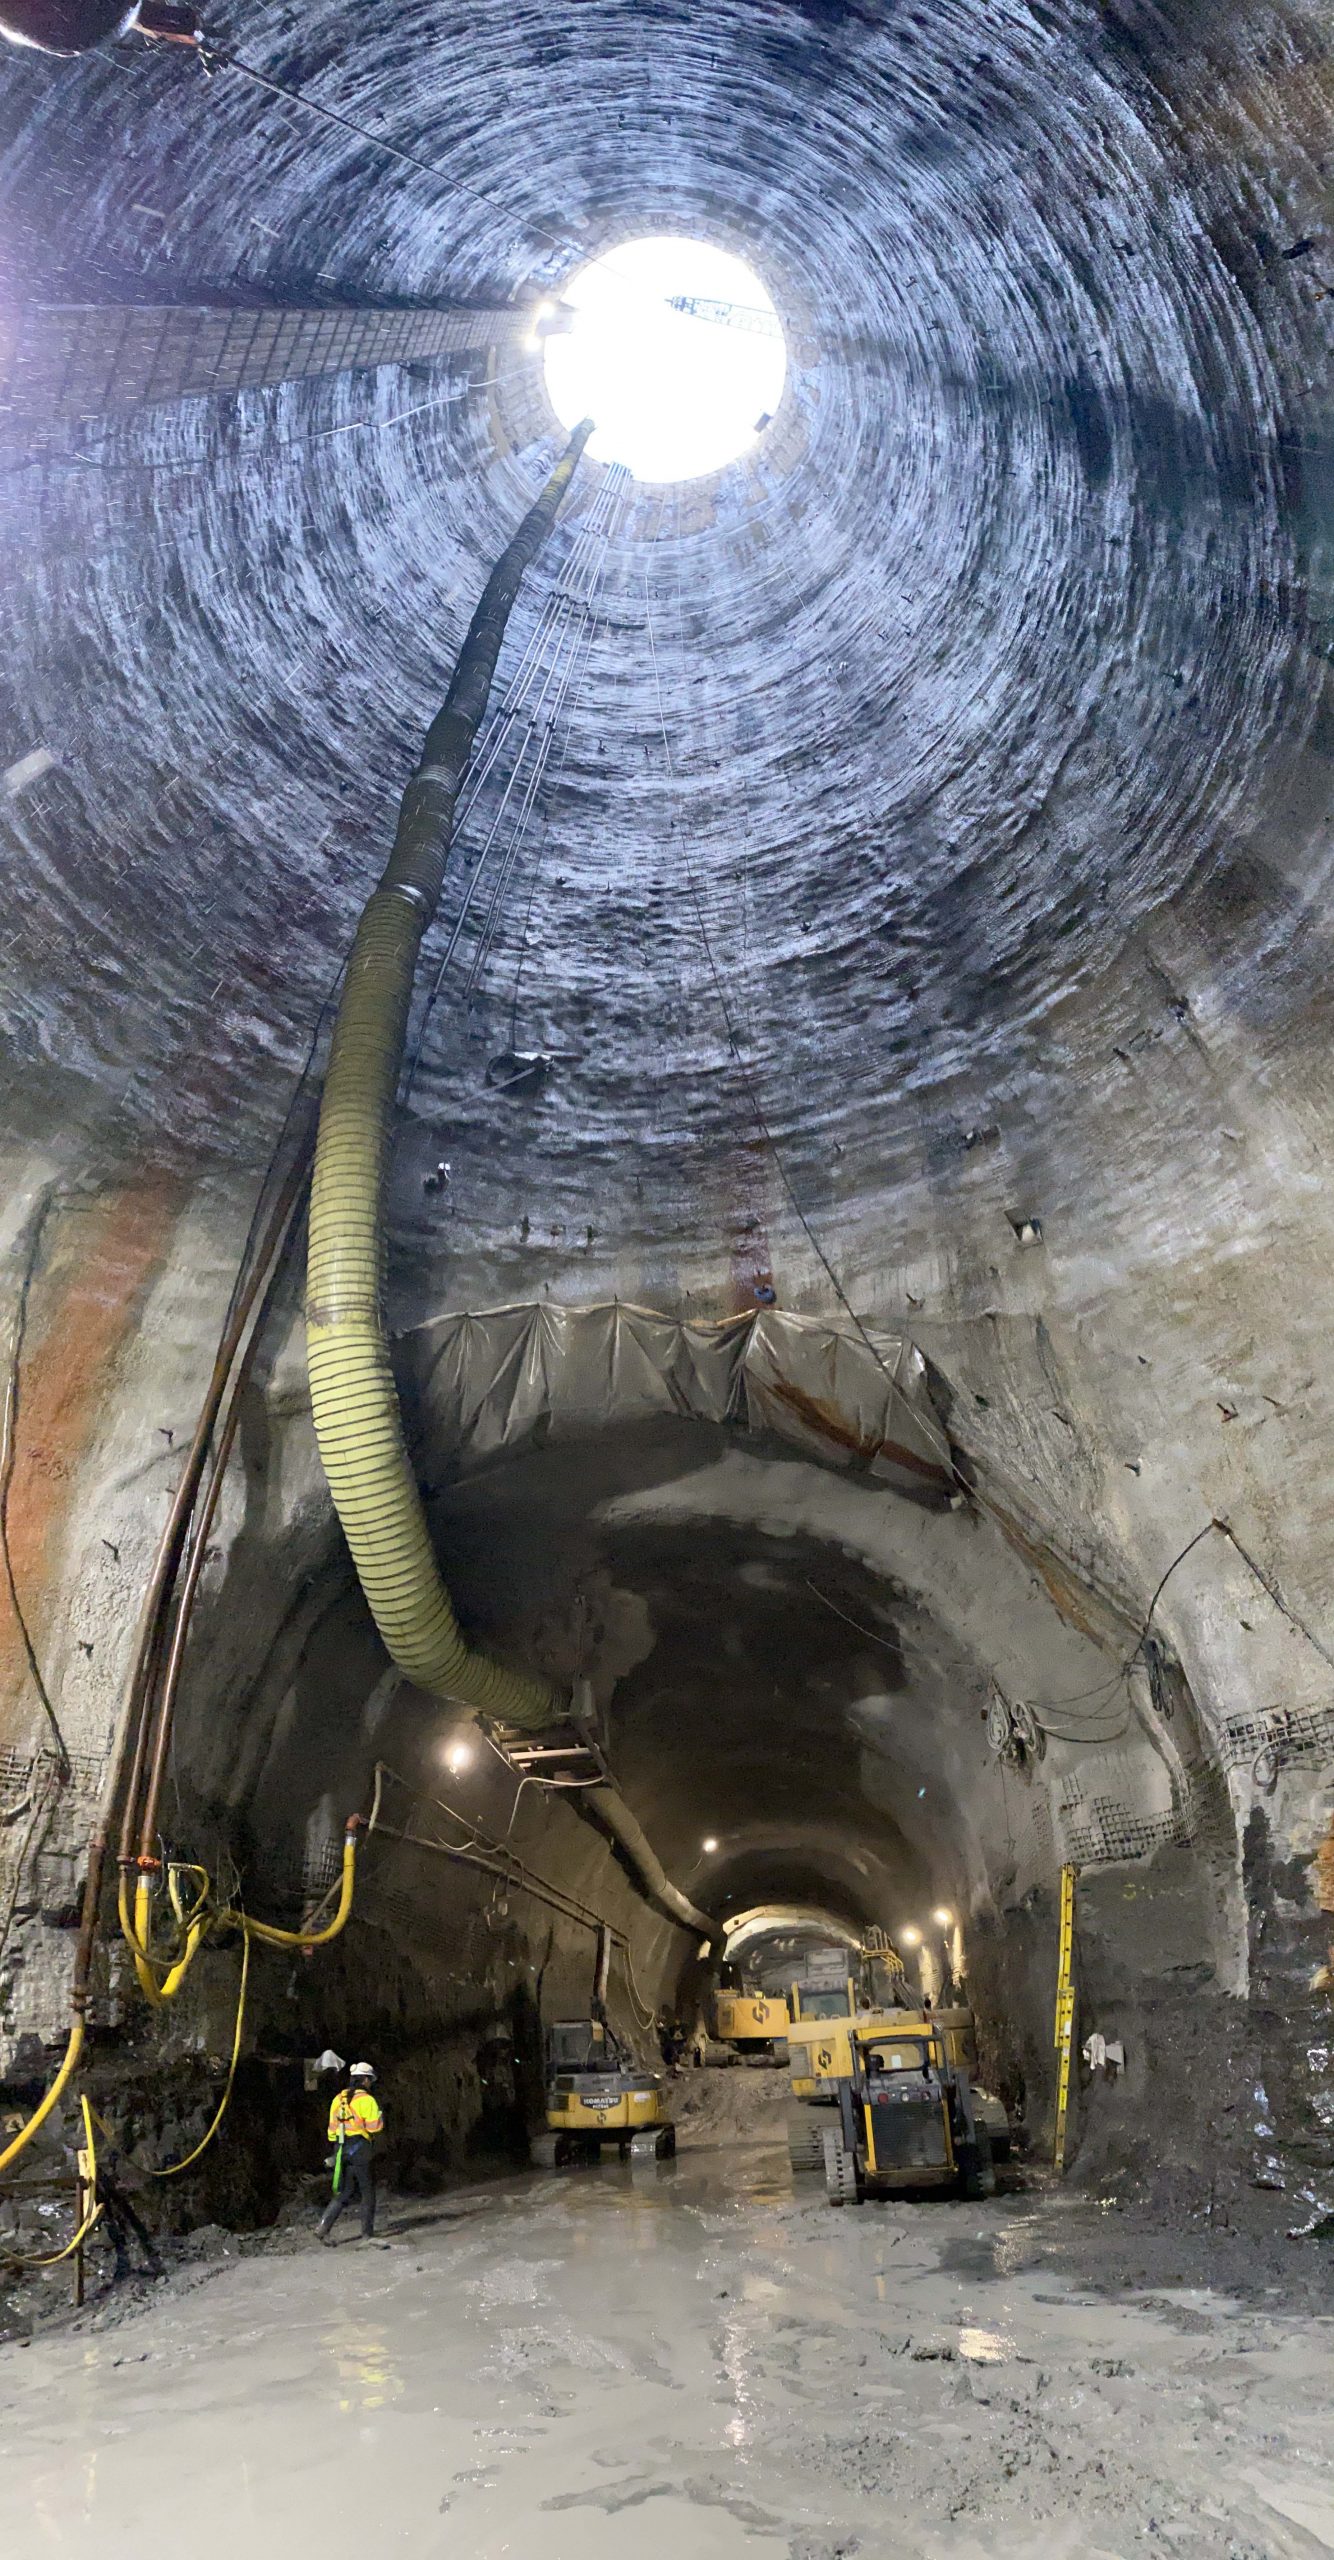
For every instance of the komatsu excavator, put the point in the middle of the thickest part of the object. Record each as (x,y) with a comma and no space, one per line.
(597,2097)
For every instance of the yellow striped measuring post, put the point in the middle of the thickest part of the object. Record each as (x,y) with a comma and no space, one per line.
(1065,2011)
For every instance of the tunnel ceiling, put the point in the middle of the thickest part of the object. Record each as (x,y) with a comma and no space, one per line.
(927,906)
(998,648)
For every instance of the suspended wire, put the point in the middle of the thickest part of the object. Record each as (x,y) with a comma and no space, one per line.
(480,1849)
(590,546)
(216,56)
(566,745)
(498,728)
(261,450)
(849,1621)
(580,635)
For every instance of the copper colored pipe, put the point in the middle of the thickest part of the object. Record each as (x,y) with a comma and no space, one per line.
(149,1637)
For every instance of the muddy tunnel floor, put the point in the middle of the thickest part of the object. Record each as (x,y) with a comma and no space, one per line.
(702,2359)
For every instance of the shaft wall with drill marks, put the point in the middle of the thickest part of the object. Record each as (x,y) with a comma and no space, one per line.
(940,859)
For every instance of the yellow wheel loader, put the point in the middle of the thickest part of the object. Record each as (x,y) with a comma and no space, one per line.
(834,1987)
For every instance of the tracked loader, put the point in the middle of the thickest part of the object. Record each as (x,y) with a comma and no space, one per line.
(905,2120)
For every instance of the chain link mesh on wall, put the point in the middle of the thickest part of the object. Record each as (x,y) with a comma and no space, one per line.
(72,362)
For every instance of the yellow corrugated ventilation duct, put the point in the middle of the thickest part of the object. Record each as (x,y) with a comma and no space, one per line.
(358,1423)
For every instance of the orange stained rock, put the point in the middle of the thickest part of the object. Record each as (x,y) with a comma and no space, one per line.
(78,1324)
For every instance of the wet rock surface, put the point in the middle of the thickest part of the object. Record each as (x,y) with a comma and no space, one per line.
(703,2358)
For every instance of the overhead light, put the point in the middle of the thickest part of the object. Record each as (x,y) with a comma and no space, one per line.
(458,1756)
(709,1846)
(943,1919)
(911,1937)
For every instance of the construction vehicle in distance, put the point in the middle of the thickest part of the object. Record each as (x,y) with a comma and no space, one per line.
(906,2119)
(753,2022)
(865,1987)
(835,1985)
(596,2095)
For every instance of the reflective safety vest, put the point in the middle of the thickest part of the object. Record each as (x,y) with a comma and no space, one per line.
(354,2116)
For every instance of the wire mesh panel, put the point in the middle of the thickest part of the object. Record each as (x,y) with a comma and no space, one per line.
(78,361)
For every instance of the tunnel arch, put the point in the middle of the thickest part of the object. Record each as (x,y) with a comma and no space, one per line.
(972,739)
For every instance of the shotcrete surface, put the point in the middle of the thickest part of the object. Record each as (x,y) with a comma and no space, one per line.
(701,2361)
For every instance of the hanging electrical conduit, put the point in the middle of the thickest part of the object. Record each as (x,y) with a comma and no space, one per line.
(139,1757)
(480,1850)
(138,1761)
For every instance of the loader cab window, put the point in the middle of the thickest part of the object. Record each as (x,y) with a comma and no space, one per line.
(824,2004)
(906,2053)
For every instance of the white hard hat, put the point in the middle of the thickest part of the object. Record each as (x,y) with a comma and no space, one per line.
(363,2071)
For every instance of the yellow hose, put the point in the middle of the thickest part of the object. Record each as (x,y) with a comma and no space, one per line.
(54,2094)
(353,1394)
(225,2101)
(161,1977)
(310,1937)
(137,1931)
(93,2214)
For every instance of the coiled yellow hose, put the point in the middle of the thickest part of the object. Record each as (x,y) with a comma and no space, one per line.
(160,1977)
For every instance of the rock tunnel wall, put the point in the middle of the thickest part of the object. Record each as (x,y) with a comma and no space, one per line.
(929,917)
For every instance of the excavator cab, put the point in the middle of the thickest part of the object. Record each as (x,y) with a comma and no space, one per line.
(754,2023)
(906,2119)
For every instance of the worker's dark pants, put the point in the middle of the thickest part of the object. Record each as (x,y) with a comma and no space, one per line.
(358,2180)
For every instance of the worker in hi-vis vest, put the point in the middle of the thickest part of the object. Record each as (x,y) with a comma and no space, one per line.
(355,2125)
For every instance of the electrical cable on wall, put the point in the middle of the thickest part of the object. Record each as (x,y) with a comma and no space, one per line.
(216,57)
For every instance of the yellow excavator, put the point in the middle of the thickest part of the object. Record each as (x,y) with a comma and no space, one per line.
(754,2023)
(597,2097)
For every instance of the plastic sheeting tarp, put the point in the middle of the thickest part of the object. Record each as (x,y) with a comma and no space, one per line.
(501,1380)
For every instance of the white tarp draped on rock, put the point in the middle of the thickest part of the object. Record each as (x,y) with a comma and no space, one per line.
(502,1379)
